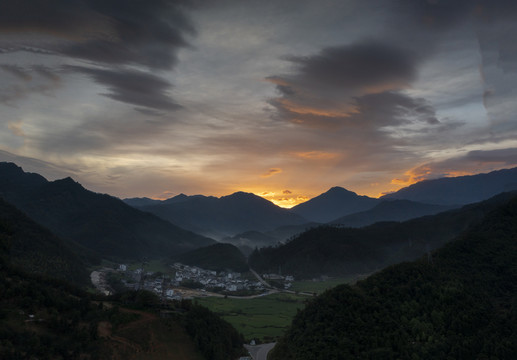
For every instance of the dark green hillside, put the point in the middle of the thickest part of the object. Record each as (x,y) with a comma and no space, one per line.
(459,304)
(37,250)
(336,251)
(218,257)
(45,318)
(98,222)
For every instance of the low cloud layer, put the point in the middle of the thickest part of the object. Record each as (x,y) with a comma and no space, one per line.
(132,87)
(355,85)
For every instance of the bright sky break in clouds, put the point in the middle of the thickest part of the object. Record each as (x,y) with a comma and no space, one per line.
(281,98)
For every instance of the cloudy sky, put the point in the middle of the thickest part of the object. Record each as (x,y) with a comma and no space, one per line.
(282,98)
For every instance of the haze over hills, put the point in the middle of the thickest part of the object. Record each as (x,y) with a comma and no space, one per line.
(99,222)
(457,304)
(390,210)
(459,190)
(224,216)
(264,227)
(333,204)
(335,251)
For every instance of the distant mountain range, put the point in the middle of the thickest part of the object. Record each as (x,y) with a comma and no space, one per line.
(459,190)
(336,251)
(263,223)
(220,217)
(112,228)
(101,223)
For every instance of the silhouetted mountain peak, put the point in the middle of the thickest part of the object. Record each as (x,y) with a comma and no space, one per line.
(14,173)
(334,203)
(339,191)
(96,221)
(66,184)
(243,196)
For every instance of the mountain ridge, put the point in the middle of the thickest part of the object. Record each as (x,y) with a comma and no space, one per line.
(337,251)
(460,190)
(225,216)
(99,222)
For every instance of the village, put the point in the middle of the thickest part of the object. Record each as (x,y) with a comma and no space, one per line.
(185,282)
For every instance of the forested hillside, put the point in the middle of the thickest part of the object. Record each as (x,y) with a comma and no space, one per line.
(459,303)
(98,222)
(45,318)
(36,250)
(336,251)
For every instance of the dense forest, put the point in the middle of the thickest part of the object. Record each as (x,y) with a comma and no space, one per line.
(337,251)
(458,303)
(36,250)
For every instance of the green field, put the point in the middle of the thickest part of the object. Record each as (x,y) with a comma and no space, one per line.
(263,318)
(319,286)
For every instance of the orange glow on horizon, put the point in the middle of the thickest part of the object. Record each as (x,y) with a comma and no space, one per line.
(285,199)
(305,110)
(316,155)
(422,173)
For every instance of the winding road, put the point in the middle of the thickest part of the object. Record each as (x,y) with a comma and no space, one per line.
(259,352)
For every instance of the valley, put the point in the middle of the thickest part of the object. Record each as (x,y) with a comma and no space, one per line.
(244,292)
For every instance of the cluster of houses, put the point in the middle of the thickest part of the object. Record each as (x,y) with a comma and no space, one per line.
(213,280)
(181,276)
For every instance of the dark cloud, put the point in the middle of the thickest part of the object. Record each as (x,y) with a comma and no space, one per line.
(476,161)
(448,14)
(147,33)
(132,87)
(368,63)
(506,157)
(393,108)
(371,111)
(352,85)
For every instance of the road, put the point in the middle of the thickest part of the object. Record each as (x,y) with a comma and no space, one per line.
(260,279)
(259,352)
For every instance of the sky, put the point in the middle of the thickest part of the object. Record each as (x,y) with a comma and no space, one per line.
(283,98)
